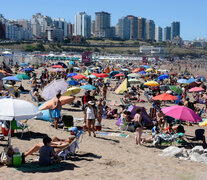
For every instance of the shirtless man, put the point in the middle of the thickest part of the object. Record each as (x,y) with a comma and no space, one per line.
(56,109)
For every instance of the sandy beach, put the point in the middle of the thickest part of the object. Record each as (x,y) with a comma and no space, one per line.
(103,157)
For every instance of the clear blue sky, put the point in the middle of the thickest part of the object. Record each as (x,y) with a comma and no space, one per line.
(191,13)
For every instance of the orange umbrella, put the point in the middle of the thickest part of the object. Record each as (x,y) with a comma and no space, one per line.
(165,97)
(102,75)
(118,75)
(136,70)
(63,99)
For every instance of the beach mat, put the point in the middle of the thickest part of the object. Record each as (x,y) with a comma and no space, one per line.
(35,167)
(113,134)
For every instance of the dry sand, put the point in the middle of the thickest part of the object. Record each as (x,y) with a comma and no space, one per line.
(104,157)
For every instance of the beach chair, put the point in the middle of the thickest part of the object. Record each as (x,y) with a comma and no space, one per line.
(19,126)
(70,149)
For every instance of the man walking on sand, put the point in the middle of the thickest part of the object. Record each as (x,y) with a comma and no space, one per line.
(56,109)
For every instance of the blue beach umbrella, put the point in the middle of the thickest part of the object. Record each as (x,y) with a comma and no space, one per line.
(142,72)
(24,64)
(73,83)
(183,81)
(88,87)
(82,81)
(145,66)
(165,76)
(71,74)
(28,69)
(11,78)
(191,80)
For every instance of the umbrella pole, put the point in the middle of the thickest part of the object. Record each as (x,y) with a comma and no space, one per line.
(9,137)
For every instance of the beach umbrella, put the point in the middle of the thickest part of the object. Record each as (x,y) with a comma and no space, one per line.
(57,70)
(22,76)
(196,89)
(72,91)
(91,76)
(151,83)
(63,100)
(73,83)
(102,75)
(165,97)
(11,78)
(176,89)
(136,70)
(80,76)
(183,81)
(23,64)
(145,66)
(28,69)
(191,80)
(133,75)
(57,66)
(142,72)
(149,70)
(165,76)
(88,87)
(82,81)
(72,74)
(51,89)
(119,75)
(62,64)
(134,81)
(16,109)
(113,73)
(11,89)
(181,113)
(204,123)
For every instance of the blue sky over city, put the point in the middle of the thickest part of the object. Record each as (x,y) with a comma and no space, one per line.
(191,13)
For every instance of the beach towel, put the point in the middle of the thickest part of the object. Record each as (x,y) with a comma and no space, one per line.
(113,134)
(35,167)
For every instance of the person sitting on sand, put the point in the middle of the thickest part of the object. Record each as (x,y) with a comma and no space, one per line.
(46,152)
(169,129)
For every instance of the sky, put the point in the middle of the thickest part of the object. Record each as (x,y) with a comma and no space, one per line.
(191,13)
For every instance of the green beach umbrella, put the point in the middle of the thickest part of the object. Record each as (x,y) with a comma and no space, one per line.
(176,89)
(22,76)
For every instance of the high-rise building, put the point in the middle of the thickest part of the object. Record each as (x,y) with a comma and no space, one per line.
(2,31)
(150,30)
(124,28)
(117,30)
(70,29)
(175,30)
(43,21)
(27,28)
(158,34)
(82,25)
(102,24)
(93,27)
(60,23)
(167,33)
(133,27)
(141,28)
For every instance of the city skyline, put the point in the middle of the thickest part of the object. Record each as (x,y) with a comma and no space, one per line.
(161,12)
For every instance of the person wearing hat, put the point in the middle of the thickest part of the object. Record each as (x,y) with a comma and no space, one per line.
(56,109)
(90,116)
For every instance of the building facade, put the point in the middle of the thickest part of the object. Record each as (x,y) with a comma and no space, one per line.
(167,33)
(150,30)
(175,30)
(102,24)
(82,25)
(124,28)
(141,28)
(133,27)
(158,34)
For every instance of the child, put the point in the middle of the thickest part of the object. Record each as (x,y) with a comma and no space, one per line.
(46,152)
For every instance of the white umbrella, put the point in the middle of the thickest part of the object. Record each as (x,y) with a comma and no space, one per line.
(15,109)
(133,75)
(51,89)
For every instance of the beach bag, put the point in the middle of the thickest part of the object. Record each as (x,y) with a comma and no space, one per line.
(5,159)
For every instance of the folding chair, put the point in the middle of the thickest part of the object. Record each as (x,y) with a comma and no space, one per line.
(19,126)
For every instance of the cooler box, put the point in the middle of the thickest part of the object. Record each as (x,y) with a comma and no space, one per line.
(6,132)
(98,127)
(17,159)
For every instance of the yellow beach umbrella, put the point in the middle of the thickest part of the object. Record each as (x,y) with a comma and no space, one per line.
(72,91)
(151,83)
(149,70)
(204,123)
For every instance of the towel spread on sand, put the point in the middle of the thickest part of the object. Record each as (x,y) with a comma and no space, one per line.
(113,134)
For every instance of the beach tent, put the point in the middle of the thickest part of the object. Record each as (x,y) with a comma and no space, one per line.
(122,87)
(145,116)
(87,72)
(45,114)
